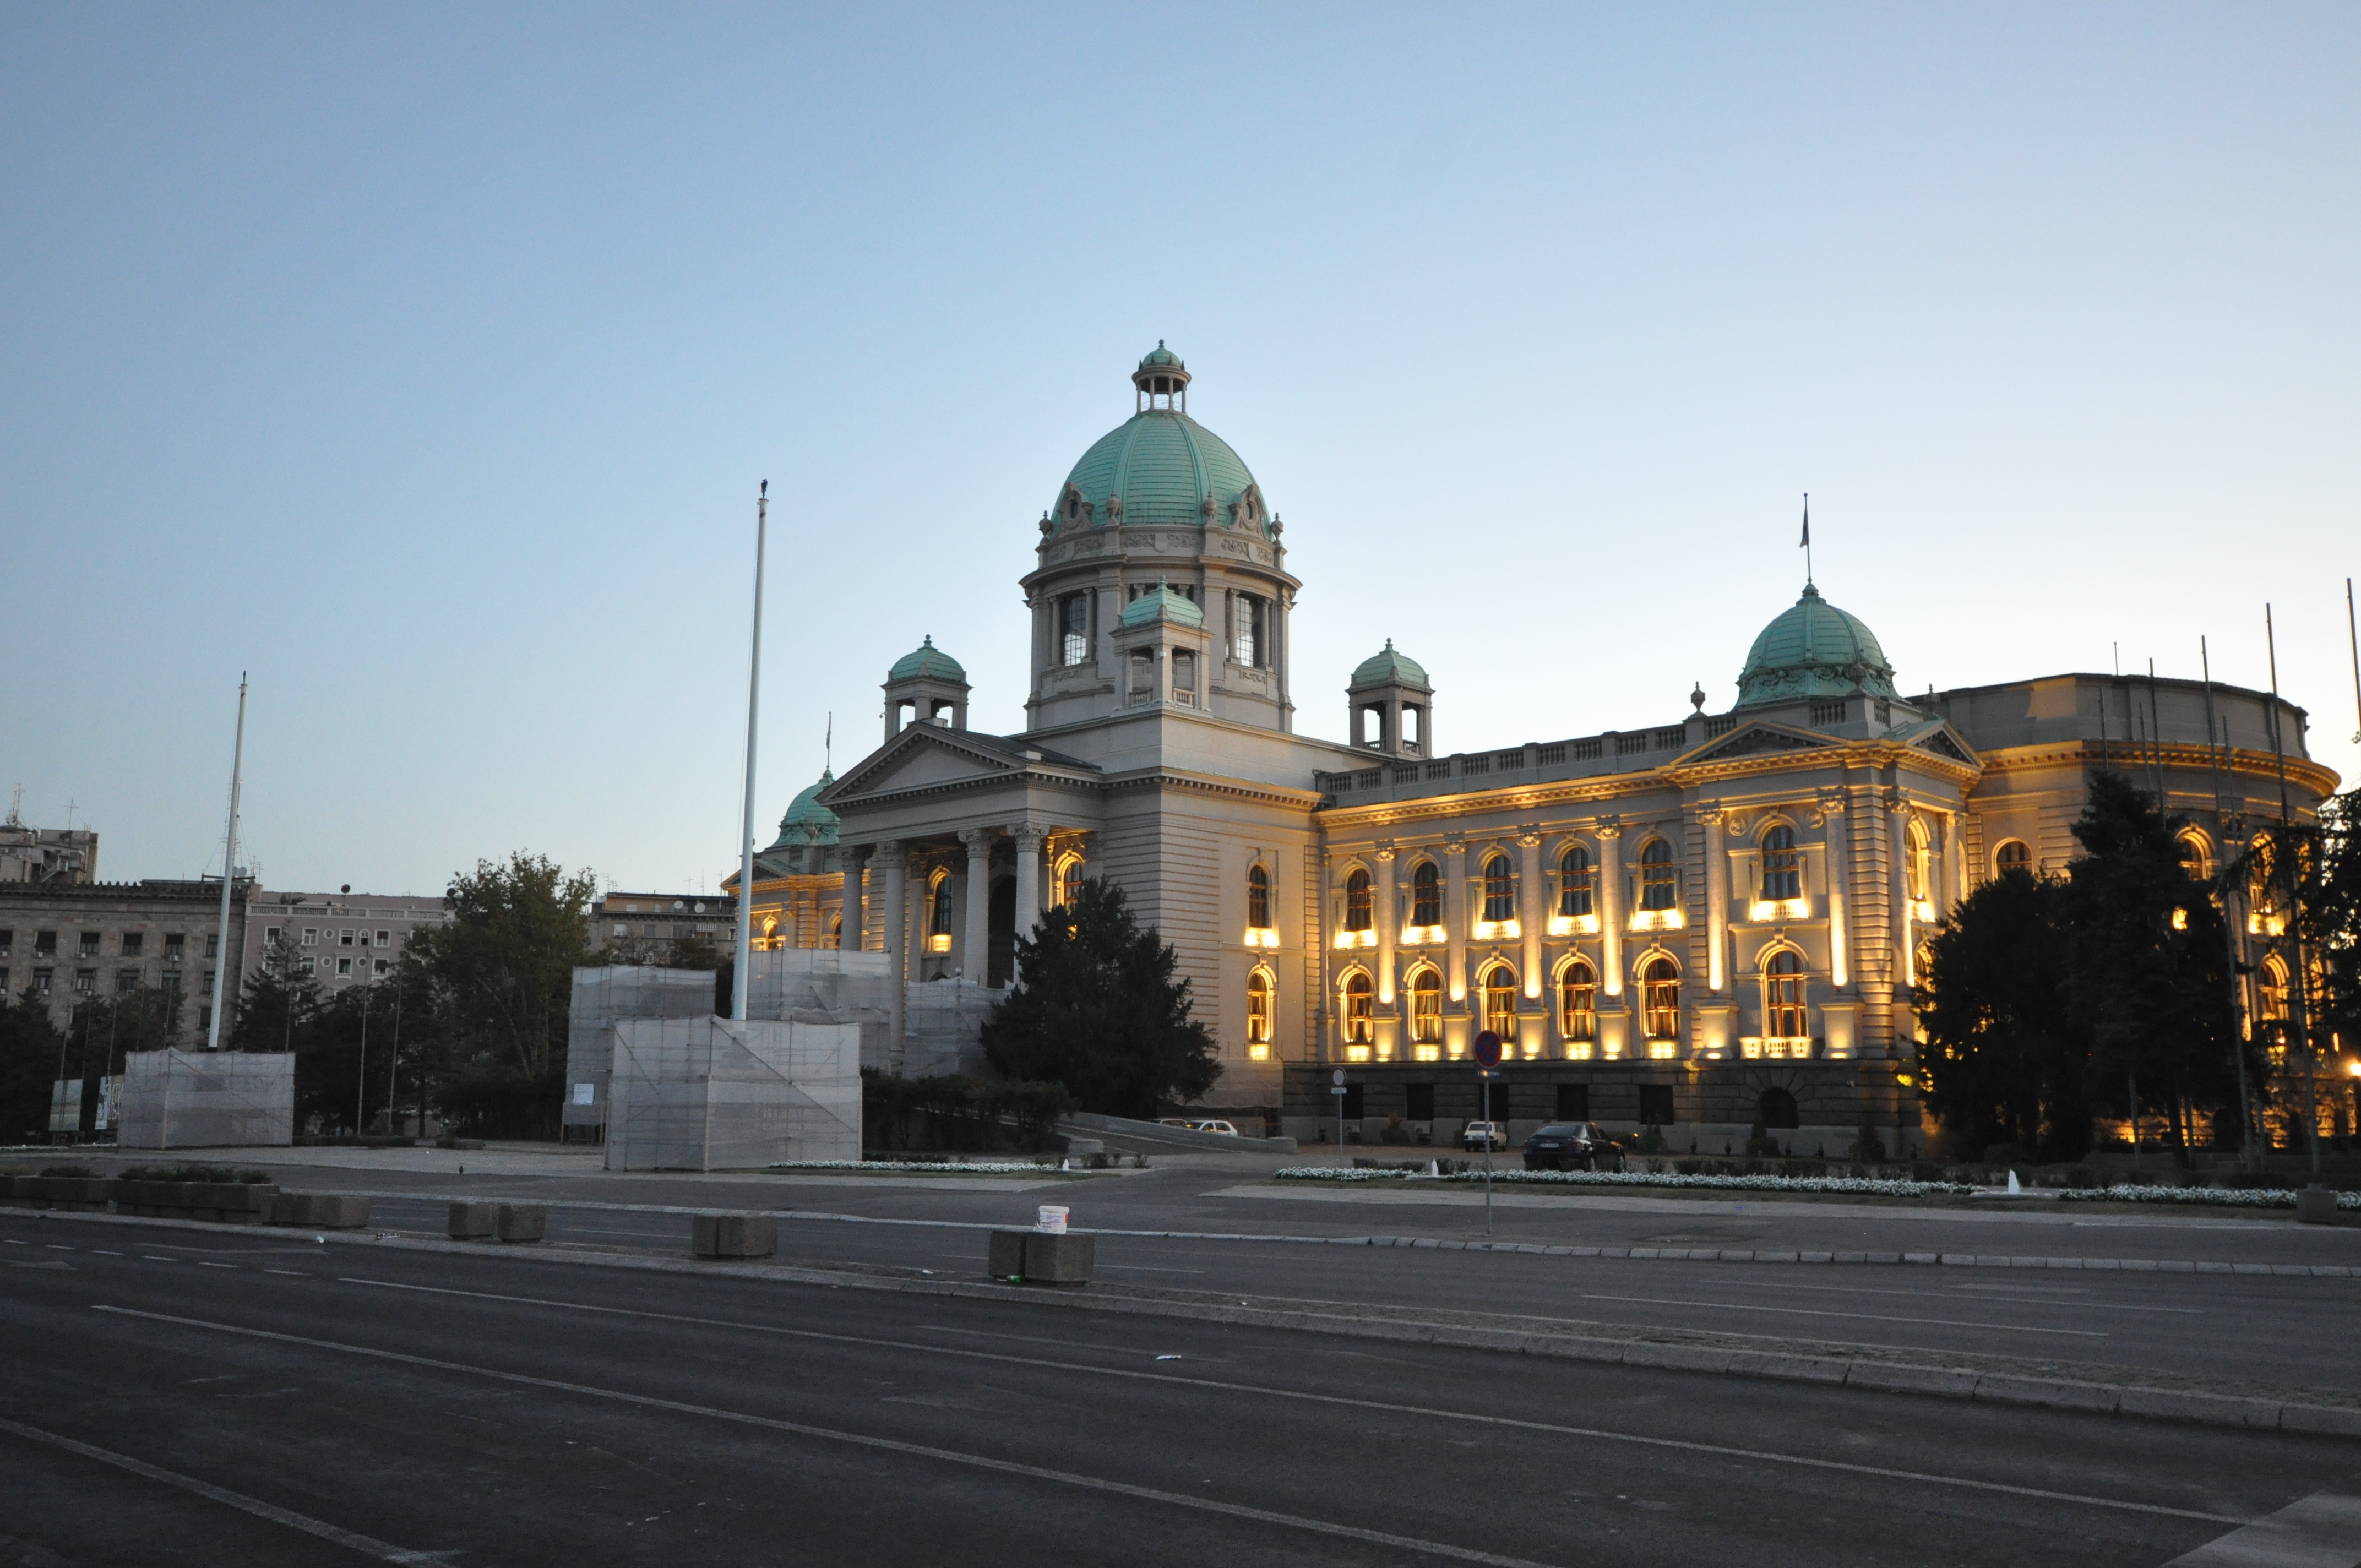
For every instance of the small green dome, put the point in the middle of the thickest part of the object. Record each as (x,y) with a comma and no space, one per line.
(1813,649)
(1163,602)
(1160,357)
(1390,668)
(807,821)
(926,661)
(1160,469)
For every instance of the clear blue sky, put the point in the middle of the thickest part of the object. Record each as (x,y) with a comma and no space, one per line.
(423,362)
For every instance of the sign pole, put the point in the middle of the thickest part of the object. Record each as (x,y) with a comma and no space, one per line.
(1336,1087)
(1488,1067)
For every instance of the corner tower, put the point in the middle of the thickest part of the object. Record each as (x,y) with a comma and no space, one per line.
(1159,504)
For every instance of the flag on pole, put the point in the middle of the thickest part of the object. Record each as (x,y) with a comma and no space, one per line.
(1806,542)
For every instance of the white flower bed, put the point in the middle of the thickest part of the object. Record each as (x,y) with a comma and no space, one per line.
(2211,1197)
(927,1167)
(1867,1186)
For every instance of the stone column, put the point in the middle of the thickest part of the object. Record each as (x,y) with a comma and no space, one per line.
(1531,918)
(1717,895)
(849,938)
(1610,904)
(1029,877)
(1454,918)
(976,944)
(1389,926)
(1954,882)
(898,942)
(1906,917)
(1832,806)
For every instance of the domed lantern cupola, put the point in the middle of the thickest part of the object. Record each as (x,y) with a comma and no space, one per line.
(925,685)
(1392,705)
(1160,375)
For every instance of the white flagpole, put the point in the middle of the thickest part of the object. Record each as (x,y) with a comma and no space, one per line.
(744,965)
(229,872)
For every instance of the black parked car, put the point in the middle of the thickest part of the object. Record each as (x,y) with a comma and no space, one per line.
(1573,1145)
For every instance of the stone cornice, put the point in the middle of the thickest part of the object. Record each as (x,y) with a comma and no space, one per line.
(2131,755)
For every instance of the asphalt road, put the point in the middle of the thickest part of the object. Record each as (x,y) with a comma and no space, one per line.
(253,1397)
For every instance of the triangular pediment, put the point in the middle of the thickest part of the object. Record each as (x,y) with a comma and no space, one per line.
(926,756)
(1755,741)
(1937,737)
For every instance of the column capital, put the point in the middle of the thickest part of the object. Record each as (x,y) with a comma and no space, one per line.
(1455,843)
(888,847)
(1385,849)
(1608,827)
(1710,811)
(1029,838)
(977,839)
(1528,834)
(1891,797)
(1832,800)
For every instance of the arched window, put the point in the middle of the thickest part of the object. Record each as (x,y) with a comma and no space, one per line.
(1575,882)
(2013,856)
(2195,858)
(1258,1015)
(1658,886)
(1357,908)
(1257,898)
(1914,872)
(1577,1007)
(1499,888)
(1500,1001)
(2272,997)
(835,930)
(1782,867)
(1783,997)
(1659,1000)
(1426,895)
(1359,1001)
(1069,882)
(1776,1109)
(1426,1008)
(938,915)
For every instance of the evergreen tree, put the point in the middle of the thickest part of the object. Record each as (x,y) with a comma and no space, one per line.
(2005,1063)
(1097,1009)
(29,1043)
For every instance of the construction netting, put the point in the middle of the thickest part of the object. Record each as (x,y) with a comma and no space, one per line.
(717,1094)
(196,1100)
(601,997)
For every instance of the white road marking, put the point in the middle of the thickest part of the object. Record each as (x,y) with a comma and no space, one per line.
(1148,1268)
(290,1273)
(1343,1400)
(366,1545)
(881,1444)
(1865,1317)
(2322,1531)
(103,1253)
(203,1265)
(1981,1294)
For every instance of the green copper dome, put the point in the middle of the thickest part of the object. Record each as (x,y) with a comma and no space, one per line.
(926,661)
(807,821)
(1813,649)
(1390,668)
(1162,601)
(1160,469)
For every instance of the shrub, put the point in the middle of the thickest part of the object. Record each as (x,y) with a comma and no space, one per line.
(1868,1148)
(1652,1140)
(1393,1132)
(194,1173)
(68,1170)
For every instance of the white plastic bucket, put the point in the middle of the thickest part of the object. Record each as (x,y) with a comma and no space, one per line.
(1052,1220)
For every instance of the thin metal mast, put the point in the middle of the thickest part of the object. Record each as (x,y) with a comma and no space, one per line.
(744,965)
(2298,1004)
(229,871)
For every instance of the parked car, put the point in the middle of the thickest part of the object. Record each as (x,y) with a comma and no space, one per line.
(1224,1128)
(1573,1145)
(1485,1135)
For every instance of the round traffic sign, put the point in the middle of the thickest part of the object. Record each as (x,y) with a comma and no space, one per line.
(1338,1077)
(1488,1048)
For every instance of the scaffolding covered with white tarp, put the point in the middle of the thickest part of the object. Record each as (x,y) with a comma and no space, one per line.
(717,1094)
(198,1099)
(601,997)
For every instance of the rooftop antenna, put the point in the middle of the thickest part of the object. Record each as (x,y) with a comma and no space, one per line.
(1806,542)
(2352,641)
(17,801)
(746,825)
(828,745)
(229,870)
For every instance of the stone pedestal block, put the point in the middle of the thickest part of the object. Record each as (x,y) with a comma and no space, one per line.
(473,1222)
(734,1236)
(320,1211)
(1005,1257)
(522,1222)
(2316,1206)
(1059,1260)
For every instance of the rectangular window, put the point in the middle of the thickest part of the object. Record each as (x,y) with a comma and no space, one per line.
(271,934)
(213,944)
(1421,1102)
(385,939)
(126,980)
(132,943)
(1143,675)
(1656,1104)
(1074,630)
(311,935)
(1573,1102)
(85,981)
(7,943)
(381,965)
(45,944)
(344,966)
(87,947)
(176,946)
(4,982)
(41,978)
(1184,676)
(344,938)
(311,966)
(1250,631)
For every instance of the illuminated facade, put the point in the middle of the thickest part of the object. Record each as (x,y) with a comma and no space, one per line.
(1699,922)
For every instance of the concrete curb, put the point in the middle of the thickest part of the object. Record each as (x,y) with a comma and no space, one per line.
(1730,1355)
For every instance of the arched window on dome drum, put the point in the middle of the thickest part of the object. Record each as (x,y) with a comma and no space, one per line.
(1257,898)
(1426,1007)
(1500,890)
(1659,1000)
(1783,997)
(1258,1011)
(1074,630)
(1360,998)
(1499,990)
(1425,895)
(1782,866)
(1576,879)
(1357,908)
(1248,644)
(1659,884)
(1577,996)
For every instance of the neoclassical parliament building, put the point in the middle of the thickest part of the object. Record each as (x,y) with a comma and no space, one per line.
(1706,920)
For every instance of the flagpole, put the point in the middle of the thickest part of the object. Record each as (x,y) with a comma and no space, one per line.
(746,826)
(229,871)
(1807,539)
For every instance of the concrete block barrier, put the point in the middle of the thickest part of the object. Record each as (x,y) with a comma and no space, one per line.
(1065,1259)
(2315,1206)
(474,1221)
(522,1222)
(734,1235)
(320,1211)
(1005,1257)
(229,1203)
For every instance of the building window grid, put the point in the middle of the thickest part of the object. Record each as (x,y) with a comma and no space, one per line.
(1257,898)
(1659,886)
(1358,911)
(1784,1013)
(1783,865)
(1426,894)
(1259,1011)
(1577,878)
(1660,995)
(1360,998)
(1578,1007)
(1499,888)
(1426,1009)
(1074,630)
(1500,996)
